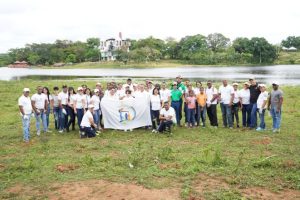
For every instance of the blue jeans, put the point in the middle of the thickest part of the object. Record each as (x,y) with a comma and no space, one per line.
(201,114)
(226,115)
(63,120)
(165,125)
(262,119)
(89,131)
(246,113)
(26,128)
(80,113)
(176,106)
(276,116)
(41,116)
(96,117)
(253,118)
(47,115)
(185,109)
(191,116)
(56,113)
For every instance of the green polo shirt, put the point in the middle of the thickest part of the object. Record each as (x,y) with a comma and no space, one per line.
(181,87)
(176,95)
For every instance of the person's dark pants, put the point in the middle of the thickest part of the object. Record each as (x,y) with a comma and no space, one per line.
(48,115)
(56,113)
(197,114)
(185,108)
(235,113)
(80,113)
(89,132)
(63,123)
(165,125)
(155,118)
(176,106)
(246,115)
(180,109)
(226,115)
(212,114)
(253,118)
(71,113)
(191,116)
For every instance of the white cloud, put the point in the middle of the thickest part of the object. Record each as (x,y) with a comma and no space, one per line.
(31,21)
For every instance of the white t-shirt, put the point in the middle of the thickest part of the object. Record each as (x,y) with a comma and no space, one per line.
(210,92)
(236,96)
(226,93)
(196,90)
(85,120)
(55,100)
(96,102)
(39,100)
(80,101)
(120,93)
(155,102)
(72,99)
(165,94)
(170,112)
(263,96)
(63,97)
(87,100)
(130,86)
(245,96)
(25,102)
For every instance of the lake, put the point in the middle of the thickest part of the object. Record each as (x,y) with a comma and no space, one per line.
(285,74)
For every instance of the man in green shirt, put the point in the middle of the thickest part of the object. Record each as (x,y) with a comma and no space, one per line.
(182,88)
(176,98)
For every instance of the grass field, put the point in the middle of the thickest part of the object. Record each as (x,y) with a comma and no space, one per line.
(191,164)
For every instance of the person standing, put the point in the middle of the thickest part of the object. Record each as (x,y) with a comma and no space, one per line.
(275,106)
(88,96)
(63,102)
(182,88)
(70,109)
(49,99)
(55,106)
(79,105)
(236,105)
(40,105)
(155,108)
(201,101)
(245,105)
(176,99)
(165,94)
(95,100)
(25,108)
(261,106)
(191,109)
(226,94)
(211,103)
(254,93)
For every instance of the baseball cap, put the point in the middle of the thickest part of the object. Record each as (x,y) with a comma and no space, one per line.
(262,85)
(275,83)
(234,84)
(174,83)
(26,90)
(246,83)
(252,78)
(179,76)
(79,88)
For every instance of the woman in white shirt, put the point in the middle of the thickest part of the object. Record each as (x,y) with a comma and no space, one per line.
(79,105)
(95,100)
(245,104)
(261,106)
(70,110)
(155,108)
(49,99)
(88,96)
(55,105)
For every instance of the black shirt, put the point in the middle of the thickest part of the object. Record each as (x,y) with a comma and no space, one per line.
(254,93)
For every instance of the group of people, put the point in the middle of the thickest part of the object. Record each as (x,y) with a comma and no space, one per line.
(168,104)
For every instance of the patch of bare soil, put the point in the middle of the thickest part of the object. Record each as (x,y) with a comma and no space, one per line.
(97,189)
(264,141)
(66,167)
(205,183)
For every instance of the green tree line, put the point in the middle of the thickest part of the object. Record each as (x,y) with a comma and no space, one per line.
(196,49)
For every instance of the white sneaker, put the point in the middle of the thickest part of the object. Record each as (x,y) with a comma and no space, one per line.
(38,132)
(48,131)
(153,131)
(60,131)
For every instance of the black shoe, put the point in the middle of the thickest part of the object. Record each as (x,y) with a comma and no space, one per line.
(238,126)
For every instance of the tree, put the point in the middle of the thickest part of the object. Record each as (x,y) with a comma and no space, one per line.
(217,42)
(33,59)
(171,48)
(262,50)
(190,45)
(93,43)
(242,45)
(291,41)
(71,58)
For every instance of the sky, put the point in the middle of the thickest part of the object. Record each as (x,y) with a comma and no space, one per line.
(36,21)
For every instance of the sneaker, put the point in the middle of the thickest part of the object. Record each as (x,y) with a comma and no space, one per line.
(259,129)
(230,127)
(153,131)
(275,130)
(48,131)
(60,131)
(38,133)
(238,126)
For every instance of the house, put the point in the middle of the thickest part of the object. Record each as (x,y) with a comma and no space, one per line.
(18,64)
(109,47)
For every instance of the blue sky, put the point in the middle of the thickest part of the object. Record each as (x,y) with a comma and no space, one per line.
(28,21)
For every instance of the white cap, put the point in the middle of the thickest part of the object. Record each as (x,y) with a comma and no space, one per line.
(79,88)
(91,106)
(275,83)
(96,90)
(252,78)
(235,84)
(98,83)
(174,83)
(179,76)
(26,90)
(246,83)
(262,85)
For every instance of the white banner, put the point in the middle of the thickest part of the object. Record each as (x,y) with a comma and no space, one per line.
(126,114)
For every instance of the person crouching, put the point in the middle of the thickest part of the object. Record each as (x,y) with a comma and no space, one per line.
(88,126)
(167,118)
